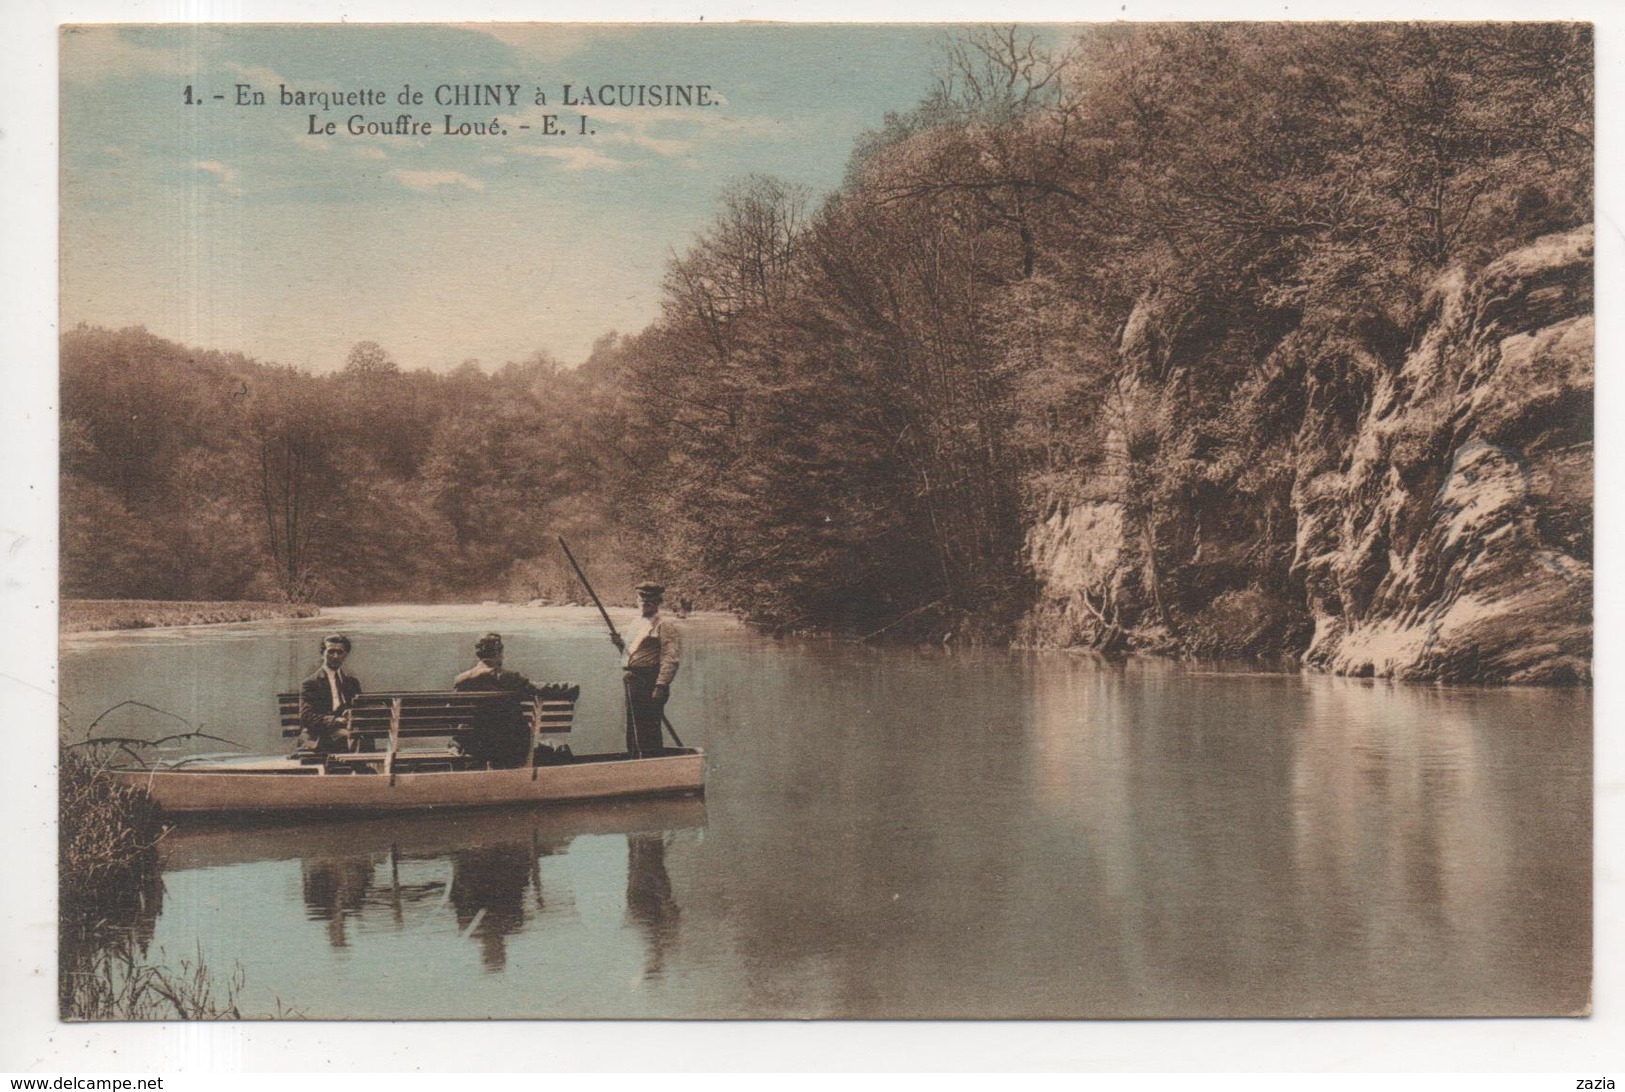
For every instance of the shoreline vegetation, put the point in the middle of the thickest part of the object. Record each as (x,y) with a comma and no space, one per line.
(87,615)
(112,615)
(111,891)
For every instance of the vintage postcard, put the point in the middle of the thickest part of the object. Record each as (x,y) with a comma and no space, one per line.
(846,522)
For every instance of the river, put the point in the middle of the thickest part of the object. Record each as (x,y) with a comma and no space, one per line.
(896,832)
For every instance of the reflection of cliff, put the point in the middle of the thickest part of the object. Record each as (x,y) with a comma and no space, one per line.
(1397,846)
(1480,864)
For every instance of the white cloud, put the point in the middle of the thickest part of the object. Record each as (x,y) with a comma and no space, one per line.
(226,173)
(218,169)
(430,180)
(370,151)
(548,42)
(639,139)
(263,79)
(575,157)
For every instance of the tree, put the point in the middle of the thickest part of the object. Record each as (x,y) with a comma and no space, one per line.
(299,477)
(369,358)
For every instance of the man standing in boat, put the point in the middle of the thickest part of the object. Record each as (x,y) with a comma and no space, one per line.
(325,697)
(499,734)
(650,665)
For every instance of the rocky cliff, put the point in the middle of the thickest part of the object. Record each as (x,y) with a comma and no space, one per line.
(1414,507)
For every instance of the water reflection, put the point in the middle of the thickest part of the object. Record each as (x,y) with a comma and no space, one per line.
(104,933)
(483,871)
(649,901)
(334,891)
(889,833)
(1382,842)
(488,886)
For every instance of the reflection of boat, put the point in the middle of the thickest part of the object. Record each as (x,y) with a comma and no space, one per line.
(259,784)
(213,845)
(484,873)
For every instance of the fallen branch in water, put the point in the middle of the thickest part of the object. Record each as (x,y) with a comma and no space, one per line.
(126,744)
(138,704)
(895,621)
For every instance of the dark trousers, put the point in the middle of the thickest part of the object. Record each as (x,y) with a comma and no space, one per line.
(643,737)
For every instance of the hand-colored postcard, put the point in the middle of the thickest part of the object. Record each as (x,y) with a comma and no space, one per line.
(864,521)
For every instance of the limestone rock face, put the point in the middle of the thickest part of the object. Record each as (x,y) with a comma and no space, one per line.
(1080,550)
(1463,550)
(1439,518)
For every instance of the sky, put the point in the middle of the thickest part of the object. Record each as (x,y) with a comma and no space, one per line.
(249,228)
(104,111)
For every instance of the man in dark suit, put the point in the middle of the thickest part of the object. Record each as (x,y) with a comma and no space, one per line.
(325,697)
(499,734)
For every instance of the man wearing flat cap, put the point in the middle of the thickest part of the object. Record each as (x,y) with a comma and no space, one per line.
(499,734)
(324,700)
(651,661)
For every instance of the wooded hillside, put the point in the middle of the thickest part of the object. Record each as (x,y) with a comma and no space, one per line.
(1122,272)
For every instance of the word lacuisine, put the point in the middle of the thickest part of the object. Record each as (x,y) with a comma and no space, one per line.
(639,94)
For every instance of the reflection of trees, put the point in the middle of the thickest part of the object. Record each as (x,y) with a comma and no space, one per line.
(648,897)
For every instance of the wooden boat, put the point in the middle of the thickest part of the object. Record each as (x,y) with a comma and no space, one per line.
(268,784)
(391,776)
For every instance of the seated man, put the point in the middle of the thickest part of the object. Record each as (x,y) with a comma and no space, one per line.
(499,734)
(325,697)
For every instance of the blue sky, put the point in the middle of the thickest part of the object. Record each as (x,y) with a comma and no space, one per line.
(235,228)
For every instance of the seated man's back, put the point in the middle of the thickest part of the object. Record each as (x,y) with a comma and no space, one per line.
(499,733)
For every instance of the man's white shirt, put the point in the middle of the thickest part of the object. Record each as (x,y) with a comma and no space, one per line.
(334,688)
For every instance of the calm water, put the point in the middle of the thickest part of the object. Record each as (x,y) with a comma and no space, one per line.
(889,832)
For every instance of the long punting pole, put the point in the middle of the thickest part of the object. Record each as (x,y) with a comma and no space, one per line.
(585,583)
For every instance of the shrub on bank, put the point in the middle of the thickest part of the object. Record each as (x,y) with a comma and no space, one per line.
(108,832)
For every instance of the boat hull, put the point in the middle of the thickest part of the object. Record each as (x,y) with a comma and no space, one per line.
(265,788)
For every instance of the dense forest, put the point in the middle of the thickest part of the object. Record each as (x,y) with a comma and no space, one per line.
(1155,275)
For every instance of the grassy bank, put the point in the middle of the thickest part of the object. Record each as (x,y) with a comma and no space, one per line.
(81,615)
(111,892)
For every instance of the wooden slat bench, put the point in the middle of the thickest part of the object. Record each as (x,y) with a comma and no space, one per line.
(390,718)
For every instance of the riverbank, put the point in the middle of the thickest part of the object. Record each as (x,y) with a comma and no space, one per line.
(110,893)
(84,615)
